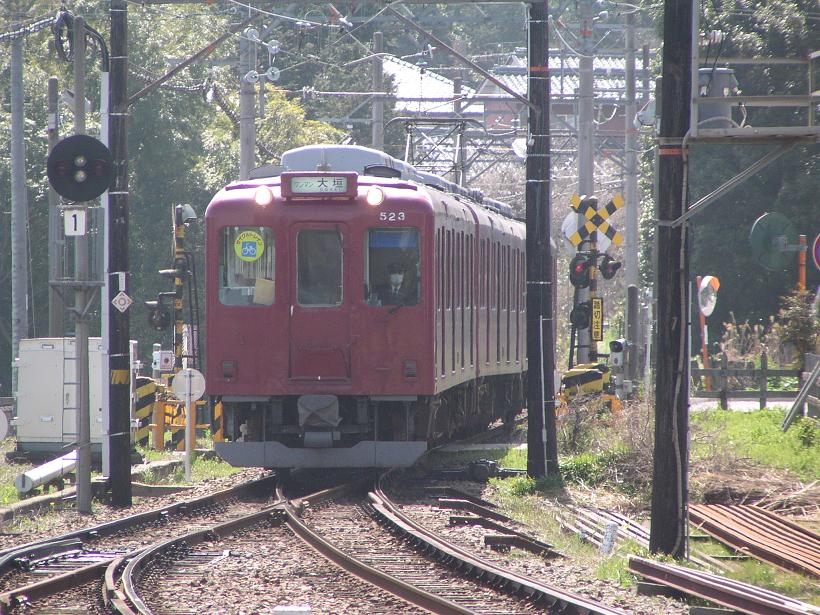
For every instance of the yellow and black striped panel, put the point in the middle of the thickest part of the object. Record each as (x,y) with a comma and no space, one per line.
(175,423)
(217,427)
(146,393)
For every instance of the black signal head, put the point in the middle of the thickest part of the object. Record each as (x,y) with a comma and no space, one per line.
(80,168)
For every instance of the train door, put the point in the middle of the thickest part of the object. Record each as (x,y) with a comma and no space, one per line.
(320,300)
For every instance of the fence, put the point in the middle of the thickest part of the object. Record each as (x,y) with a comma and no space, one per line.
(731,373)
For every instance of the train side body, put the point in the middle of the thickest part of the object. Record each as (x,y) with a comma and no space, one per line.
(310,360)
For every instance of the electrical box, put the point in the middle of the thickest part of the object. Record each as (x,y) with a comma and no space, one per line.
(47,400)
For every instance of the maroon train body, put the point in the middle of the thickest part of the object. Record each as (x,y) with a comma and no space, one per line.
(358,313)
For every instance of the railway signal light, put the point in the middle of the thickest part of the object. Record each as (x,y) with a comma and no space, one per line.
(80,168)
(609,267)
(579,270)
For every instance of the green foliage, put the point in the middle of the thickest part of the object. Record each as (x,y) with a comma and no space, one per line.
(757,436)
(796,324)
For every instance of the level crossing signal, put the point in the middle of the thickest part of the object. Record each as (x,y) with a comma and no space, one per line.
(80,168)
(595,219)
(579,266)
(583,262)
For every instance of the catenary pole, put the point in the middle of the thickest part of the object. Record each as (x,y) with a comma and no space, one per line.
(669,479)
(586,148)
(119,408)
(247,103)
(377,128)
(542,447)
(56,242)
(19,208)
(631,200)
(81,295)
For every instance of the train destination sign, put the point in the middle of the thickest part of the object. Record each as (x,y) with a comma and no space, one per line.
(300,185)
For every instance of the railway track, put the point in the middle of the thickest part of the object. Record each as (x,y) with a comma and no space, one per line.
(417,558)
(346,525)
(50,570)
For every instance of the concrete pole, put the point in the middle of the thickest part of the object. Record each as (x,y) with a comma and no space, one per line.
(83,418)
(586,131)
(631,200)
(19,209)
(377,125)
(105,304)
(247,103)
(461,149)
(56,241)
(117,219)
(631,160)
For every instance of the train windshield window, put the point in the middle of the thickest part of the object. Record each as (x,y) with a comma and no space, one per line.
(319,278)
(393,268)
(246,266)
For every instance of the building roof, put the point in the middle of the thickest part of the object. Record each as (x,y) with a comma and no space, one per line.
(413,81)
(609,80)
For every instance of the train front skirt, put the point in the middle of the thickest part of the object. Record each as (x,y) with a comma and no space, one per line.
(367,453)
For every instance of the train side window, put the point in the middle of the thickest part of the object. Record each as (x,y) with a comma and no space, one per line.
(393,267)
(319,267)
(247,261)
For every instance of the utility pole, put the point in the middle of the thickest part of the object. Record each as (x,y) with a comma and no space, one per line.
(542,442)
(104,260)
(56,242)
(460,165)
(670,467)
(631,201)
(586,149)
(377,127)
(19,209)
(81,297)
(247,103)
(119,358)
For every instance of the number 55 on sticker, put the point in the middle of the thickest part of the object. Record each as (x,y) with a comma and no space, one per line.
(74,220)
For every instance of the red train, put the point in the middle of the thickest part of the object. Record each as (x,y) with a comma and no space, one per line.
(359,310)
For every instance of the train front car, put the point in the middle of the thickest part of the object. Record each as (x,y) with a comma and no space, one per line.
(323,314)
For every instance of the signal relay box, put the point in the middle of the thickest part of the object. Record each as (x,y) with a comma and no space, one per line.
(47,400)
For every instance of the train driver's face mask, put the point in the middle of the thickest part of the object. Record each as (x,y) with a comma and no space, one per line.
(396,279)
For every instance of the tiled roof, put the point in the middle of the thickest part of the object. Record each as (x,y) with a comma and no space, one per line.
(411,81)
(608,77)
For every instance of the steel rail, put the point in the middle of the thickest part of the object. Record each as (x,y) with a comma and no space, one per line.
(54,548)
(563,602)
(138,564)
(51,586)
(157,514)
(727,592)
(761,534)
(66,581)
(377,578)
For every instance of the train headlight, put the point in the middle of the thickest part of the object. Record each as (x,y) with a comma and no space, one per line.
(263,195)
(375,196)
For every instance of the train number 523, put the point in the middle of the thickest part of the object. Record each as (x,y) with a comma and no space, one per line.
(391,216)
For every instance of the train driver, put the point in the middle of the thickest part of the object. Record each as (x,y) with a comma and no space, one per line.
(397,290)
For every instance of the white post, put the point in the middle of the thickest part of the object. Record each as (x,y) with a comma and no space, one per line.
(189,428)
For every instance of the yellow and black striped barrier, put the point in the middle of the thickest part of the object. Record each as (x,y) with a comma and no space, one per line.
(217,426)
(146,392)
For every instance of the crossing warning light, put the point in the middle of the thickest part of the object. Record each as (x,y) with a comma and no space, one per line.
(609,267)
(80,168)
(579,270)
(581,315)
